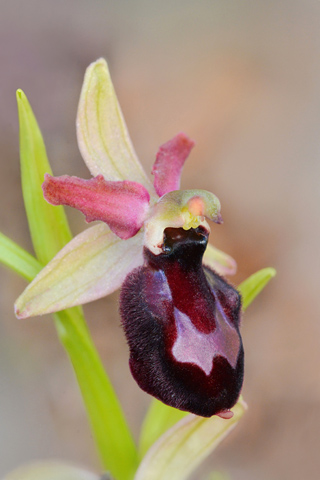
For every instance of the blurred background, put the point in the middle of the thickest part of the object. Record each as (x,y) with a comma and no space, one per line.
(243,80)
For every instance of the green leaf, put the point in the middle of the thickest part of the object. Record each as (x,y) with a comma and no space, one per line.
(50,470)
(158,420)
(48,224)
(180,450)
(16,258)
(253,285)
(109,428)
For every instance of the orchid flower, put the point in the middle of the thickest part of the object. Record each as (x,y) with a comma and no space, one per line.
(180,316)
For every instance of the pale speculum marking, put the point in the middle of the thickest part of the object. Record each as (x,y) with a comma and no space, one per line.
(193,346)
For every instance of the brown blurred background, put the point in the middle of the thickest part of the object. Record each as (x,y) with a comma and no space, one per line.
(243,80)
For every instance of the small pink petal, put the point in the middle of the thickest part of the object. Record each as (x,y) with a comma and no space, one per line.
(121,205)
(169,162)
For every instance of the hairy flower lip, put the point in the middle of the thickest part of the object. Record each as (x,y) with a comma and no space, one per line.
(182,325)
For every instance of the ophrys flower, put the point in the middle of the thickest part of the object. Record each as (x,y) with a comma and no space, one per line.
(181,319)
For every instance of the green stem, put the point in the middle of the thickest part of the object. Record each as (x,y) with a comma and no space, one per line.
(50,232)
(112,436)
(110,430)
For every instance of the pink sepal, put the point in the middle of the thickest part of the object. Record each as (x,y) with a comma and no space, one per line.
(121,205)
(169,162)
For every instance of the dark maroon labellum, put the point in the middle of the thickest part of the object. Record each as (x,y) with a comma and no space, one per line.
(181,320)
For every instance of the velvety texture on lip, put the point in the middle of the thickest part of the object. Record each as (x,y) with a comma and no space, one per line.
(181,321)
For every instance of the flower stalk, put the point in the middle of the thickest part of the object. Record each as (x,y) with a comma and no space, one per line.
(50,227)
(108,425)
